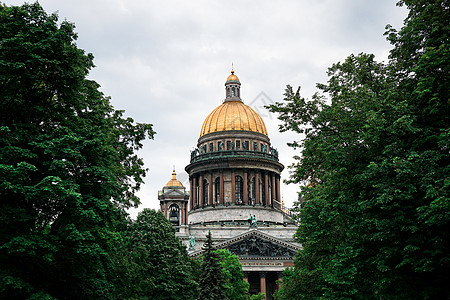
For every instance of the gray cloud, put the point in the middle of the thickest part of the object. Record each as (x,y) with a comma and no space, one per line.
(166,62)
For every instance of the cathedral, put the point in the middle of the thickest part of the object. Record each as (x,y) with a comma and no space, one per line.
(234,176)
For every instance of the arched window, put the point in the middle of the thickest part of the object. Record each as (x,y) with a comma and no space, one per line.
(205,192)
(228,92)
(232,92)
(174,215)
(217,189)
(239,188)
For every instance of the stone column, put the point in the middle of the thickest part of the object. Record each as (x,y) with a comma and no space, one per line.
(257,200)
(278,189)
(246,276)
(210,190)
(233,187)
(185,214)
(280,278)
(182,213)
(191,194)
(221,198)
(194,193)
(245,183)
(273,190)
(266,188)
(200,178)
(262,277)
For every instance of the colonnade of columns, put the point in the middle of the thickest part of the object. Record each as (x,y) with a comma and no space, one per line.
(267,284)
(245,187)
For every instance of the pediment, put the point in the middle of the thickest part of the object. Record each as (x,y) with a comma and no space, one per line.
(255,244)
(174,193)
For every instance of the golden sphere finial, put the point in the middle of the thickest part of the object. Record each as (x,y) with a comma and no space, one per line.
(232,77)
(174,181)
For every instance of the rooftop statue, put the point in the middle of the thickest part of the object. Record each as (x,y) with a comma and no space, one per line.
(253,221)
(191,242)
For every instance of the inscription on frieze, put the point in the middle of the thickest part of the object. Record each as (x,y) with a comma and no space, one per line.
(257,247)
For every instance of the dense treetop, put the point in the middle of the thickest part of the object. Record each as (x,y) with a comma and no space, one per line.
(211,280)
(162,267)
(68,168)
(375,169)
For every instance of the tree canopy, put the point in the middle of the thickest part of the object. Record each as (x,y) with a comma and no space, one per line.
(163,269)
(236,287)
(68,167)
(211,281)
(375,168)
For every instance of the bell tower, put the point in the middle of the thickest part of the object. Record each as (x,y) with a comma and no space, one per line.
(173,201)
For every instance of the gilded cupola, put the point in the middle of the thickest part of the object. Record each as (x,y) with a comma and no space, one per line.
(174,181)
(233,113)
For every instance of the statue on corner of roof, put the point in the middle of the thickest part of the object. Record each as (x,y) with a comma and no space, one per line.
(191,242)
(253,221)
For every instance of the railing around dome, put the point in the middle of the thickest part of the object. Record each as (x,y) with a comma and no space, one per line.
(196,155)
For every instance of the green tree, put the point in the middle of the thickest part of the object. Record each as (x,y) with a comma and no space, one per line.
(259,296)
(163,269)
(375,170)
(211,282)
(68,168)
(236,287)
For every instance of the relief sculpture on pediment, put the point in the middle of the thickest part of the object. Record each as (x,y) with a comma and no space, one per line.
(257,247)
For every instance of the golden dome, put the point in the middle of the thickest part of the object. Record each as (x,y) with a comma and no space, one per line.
(174,181)
(233,115)
(232,77)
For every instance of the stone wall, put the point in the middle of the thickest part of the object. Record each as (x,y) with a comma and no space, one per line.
(235,213)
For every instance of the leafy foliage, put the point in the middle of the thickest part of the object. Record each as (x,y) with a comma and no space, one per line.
(211,282)
(236,287)
(375,169)
(163,269)
(68,168)
(259,296)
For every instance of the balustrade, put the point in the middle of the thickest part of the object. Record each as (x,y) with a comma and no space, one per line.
(200,155)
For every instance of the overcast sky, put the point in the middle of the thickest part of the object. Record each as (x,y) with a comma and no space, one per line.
(166,62)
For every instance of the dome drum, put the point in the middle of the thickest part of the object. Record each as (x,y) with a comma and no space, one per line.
(231,187)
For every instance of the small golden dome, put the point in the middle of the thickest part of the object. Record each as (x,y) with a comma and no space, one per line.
(233,115)
(232,77)
(174,181)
